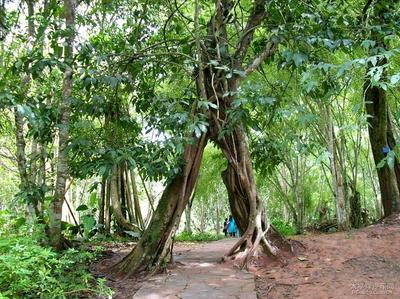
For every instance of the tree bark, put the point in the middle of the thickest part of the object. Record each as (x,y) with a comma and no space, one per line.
(153,250)
(213,85)
(107,207)
(116,202)
(337,174)
(55,236)
(25,181)
(391,138)
(102,204)
(136,201)
(188,219)
(376,106)
(246,206)
(217,220)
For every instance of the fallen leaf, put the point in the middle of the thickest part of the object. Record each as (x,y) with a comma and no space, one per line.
(302,258)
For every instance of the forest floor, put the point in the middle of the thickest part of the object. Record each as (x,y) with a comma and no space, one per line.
(362,263)
(198,272)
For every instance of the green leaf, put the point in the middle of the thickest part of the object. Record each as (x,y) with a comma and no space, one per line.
(381,163)
(214,62)
(89,222)
(299,58)
(394,79)
(367,44)
(82,208)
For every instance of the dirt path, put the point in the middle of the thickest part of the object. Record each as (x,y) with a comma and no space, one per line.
(200,275)
(361,263)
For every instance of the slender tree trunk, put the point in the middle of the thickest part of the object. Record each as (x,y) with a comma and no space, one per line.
(122,193)
(218,222)
(55,235)
(188,222)
(116,203)
(283,187)
(298,209)
(41,182)
(136,200)
(128,196)
(377,201)
(25,182)
(102,204)
(148,194)
(153,249)
(355,205)
(107,207)
(337,174)
(202,217)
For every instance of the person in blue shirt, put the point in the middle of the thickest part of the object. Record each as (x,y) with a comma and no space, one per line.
(232,228)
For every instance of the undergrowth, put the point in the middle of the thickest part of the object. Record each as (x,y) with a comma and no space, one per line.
(30,270)
(284,228)
(198,237)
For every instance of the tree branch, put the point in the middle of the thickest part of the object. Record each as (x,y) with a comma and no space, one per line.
(269,51)
(254,20)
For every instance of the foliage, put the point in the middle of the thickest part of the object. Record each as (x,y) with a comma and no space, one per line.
(284,228)
(29,270)
(135,102)
(198,237)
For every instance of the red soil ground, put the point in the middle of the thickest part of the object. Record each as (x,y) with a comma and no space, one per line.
(362,263)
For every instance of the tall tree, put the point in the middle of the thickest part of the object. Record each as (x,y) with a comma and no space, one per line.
(376,103)
(219,73)
(55,235)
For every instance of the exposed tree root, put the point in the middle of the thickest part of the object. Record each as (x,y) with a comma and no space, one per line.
(255,241)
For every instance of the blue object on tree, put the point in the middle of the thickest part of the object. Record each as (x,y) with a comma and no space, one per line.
(386,150)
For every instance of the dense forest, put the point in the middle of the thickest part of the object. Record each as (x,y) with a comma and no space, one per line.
(149,122)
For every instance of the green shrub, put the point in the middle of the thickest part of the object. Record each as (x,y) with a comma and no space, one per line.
(284,228)
(29,270)
(198,237)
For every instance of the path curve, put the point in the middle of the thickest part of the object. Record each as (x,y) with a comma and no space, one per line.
(199,274)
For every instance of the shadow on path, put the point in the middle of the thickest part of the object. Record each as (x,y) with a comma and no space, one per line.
(199,274)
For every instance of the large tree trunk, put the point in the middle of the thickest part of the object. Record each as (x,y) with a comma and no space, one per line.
(55,236)
(247,207)
(377,107)
(391,139)
(213,86)
(153,249)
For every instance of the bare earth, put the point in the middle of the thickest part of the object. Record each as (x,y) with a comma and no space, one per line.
(362,263)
